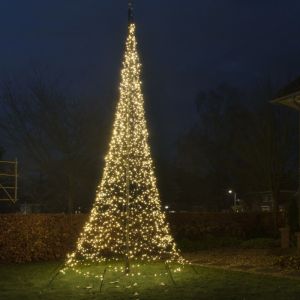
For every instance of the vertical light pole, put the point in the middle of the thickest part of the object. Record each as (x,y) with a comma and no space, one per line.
(127,172)
(231,192)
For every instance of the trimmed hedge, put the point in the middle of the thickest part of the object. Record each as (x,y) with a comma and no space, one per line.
(242,225)
(38,237)
(42,237)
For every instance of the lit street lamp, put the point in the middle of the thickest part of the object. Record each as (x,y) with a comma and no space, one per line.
(234,196)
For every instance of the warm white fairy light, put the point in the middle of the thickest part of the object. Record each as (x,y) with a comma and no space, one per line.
(127,210)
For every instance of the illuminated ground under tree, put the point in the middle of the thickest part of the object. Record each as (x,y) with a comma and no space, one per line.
(127,222)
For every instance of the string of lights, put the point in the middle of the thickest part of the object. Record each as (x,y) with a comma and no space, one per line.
(127,220)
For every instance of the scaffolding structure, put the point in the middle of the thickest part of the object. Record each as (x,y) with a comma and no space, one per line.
(9,180)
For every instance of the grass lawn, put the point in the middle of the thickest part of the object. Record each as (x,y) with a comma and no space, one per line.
(28,281)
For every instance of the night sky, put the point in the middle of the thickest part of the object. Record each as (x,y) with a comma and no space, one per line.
(185,46)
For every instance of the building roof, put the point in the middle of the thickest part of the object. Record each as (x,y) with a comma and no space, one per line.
(289,95)
(291,88)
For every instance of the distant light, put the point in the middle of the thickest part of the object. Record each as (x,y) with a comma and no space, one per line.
(167,207)
(230,192)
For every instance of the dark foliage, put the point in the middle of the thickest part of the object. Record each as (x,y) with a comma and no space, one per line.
(59,140)
(43,237)
(248,148)
(288,262)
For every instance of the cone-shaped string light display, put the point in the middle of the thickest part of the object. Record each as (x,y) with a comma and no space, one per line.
(127,222)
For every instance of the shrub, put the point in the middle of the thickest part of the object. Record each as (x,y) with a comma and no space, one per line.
(209,242)
(37,237)
(260,243)
(195,226)
(42,237)
(288,262)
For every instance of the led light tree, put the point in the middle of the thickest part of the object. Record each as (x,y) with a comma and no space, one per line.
(127,222)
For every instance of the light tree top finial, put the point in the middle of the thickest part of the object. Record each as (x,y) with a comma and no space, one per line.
(130,11)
